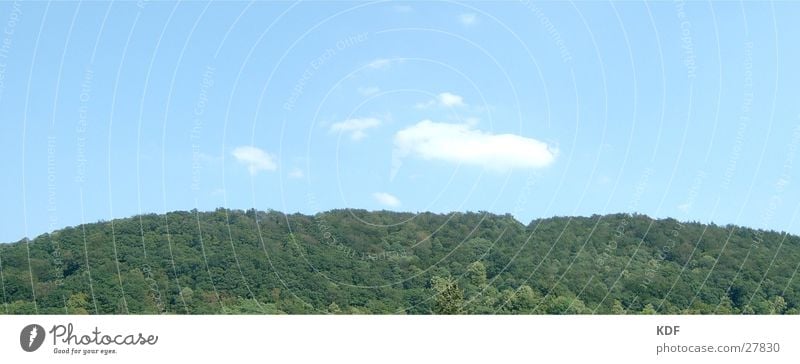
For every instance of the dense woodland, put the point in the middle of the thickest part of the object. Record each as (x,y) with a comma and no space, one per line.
(357,262)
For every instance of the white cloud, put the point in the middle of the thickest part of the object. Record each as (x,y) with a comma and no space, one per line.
(472,121)
(255,159)
(296,173)
(446,99)
(449,100)
(356,127)
(368,91)
(379,63)
(468,19)
(386,199)
(425,105)
(463,144)
(402,9)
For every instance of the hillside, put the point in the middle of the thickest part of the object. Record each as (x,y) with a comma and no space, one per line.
(354,261)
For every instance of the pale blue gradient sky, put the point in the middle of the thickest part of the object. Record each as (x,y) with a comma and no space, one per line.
(669,109)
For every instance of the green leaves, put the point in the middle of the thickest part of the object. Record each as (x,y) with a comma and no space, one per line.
(355,261)
(449,297)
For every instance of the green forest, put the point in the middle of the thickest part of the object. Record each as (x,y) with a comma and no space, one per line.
(381,262)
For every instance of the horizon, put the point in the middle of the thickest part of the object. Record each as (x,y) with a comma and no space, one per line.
(677,110)
(521,222)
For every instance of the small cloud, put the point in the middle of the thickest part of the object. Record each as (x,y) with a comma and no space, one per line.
(403,9)
(603,180)
(468,19)
(380,63)
(368,91)
(450,100)
(296,173)
(386,199)
(684,207)
(356,127)
(255,159)
(425,105)
(446,99)
(463,144)
(472,121)
(207,158)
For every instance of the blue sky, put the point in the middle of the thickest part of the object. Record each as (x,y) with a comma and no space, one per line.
(685,110)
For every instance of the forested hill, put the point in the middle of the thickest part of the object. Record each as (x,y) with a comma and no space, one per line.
(354,261)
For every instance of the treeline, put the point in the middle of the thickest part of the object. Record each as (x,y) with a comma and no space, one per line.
(357,262)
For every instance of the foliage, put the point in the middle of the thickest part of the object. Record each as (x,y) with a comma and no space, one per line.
(359,262)
(449,297)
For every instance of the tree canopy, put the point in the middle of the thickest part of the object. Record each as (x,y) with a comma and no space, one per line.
(360,262)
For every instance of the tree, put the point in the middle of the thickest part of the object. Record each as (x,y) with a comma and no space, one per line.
(725,306)
(78,304)
(778,305)
(617,308)
(449,297)
(527,299)
(276,296)
(508,300)
(476,272)
(247,264)
(187,293)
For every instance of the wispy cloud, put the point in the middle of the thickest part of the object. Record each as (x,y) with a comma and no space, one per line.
(463,144)
(402,9)
(296,173)
(255,159)
(386,199)
(472,121)
(446,99)
(355,127)
(380,63)
(468,19)
(368,91)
